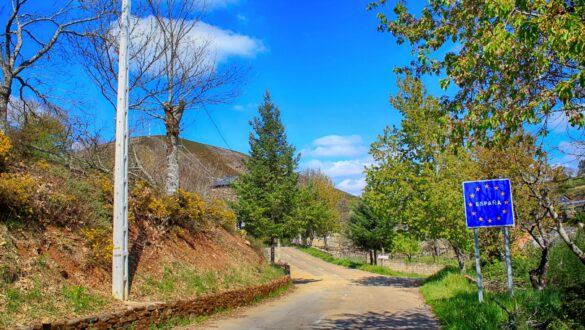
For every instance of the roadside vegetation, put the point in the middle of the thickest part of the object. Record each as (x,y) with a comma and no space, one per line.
(356,264)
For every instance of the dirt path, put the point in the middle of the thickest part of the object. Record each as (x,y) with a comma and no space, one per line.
(332,297)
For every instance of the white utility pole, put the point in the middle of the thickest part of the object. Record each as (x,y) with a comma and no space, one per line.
(120,254)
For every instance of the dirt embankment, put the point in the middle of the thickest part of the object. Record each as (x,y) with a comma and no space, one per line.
(54,273)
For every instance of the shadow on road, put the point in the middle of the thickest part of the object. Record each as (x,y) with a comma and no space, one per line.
(298,281)
(399,282)
(384,320)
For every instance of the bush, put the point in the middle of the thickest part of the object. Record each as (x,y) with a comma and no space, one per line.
(16,196)
(217,211)
(99,241)
(184,209)
(42,136)
(565,269)
(5,148)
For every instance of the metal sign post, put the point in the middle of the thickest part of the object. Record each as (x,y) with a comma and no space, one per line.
(120,224)
(488,203)
(478,267)
(508,261)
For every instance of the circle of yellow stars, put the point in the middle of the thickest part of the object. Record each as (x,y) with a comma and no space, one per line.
(486,186)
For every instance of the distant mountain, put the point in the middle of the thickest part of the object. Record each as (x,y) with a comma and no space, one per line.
(200,164)
(205,169)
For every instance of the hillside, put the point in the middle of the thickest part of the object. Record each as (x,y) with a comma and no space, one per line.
(56,239)
(201,165)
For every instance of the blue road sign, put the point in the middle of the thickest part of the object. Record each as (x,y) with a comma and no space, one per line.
(488,203)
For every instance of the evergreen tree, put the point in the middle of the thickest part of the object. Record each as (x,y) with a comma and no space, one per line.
(267,191)
(368,230)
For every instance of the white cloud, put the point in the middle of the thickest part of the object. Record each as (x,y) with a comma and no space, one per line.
(340,169)
(352,186)
(571,152)
(216,4)
(242,18)
(227,43)
(204,44)
(337,146)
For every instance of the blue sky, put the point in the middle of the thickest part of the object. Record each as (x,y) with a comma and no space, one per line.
(327,67)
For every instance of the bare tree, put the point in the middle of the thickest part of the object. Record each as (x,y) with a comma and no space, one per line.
(172,66)
(28,37)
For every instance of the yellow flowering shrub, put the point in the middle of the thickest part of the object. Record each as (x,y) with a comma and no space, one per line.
(184,209)
(189,209)
(5,148)
(217,211)
(99,242)
(16,195)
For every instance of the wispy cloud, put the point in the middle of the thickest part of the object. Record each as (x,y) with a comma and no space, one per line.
(242,18)
(342,168)
(216,44)
(353,186)
(571,152)
(217,4)
(337,146)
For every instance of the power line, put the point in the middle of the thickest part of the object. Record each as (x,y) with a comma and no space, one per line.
(217,128)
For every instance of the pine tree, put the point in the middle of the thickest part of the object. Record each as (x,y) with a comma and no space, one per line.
(267,191)
(368,230)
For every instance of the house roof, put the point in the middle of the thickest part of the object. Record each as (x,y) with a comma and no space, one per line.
(224,182)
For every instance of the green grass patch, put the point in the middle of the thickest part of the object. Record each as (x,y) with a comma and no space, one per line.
(454,300)
(179,281)
(357,264)
(41,301)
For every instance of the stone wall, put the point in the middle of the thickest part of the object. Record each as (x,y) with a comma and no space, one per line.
(144,317)
(411,267)
(396,265)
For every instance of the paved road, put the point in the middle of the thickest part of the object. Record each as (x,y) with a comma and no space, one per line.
(333,297)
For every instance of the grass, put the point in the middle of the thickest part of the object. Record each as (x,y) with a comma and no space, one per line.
(179,281)
(41,301)
(357,264)
(183,322)
(454,300)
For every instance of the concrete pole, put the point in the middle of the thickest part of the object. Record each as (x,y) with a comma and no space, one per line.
(508,261)
(120,226)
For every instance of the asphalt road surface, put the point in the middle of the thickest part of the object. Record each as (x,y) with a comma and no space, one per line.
(328,296)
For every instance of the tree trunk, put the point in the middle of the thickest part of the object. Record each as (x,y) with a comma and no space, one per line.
(376,257)
(538,275)
(546,202)
(460,258)
(325,242)
(172,120)
(272,252)
(4,100)
(371,257)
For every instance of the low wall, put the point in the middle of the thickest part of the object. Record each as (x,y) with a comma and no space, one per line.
(411,267)
(399,266)
(144,317)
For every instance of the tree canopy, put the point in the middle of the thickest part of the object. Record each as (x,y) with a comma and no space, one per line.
(513,62)
(267,190)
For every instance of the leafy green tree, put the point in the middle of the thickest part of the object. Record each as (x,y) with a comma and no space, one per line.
(513,62)
(368,230)
(267,190)
(416,177)
(406,244)
(312,213)
(318,205)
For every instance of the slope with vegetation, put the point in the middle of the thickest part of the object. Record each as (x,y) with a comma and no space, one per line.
(55,235)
